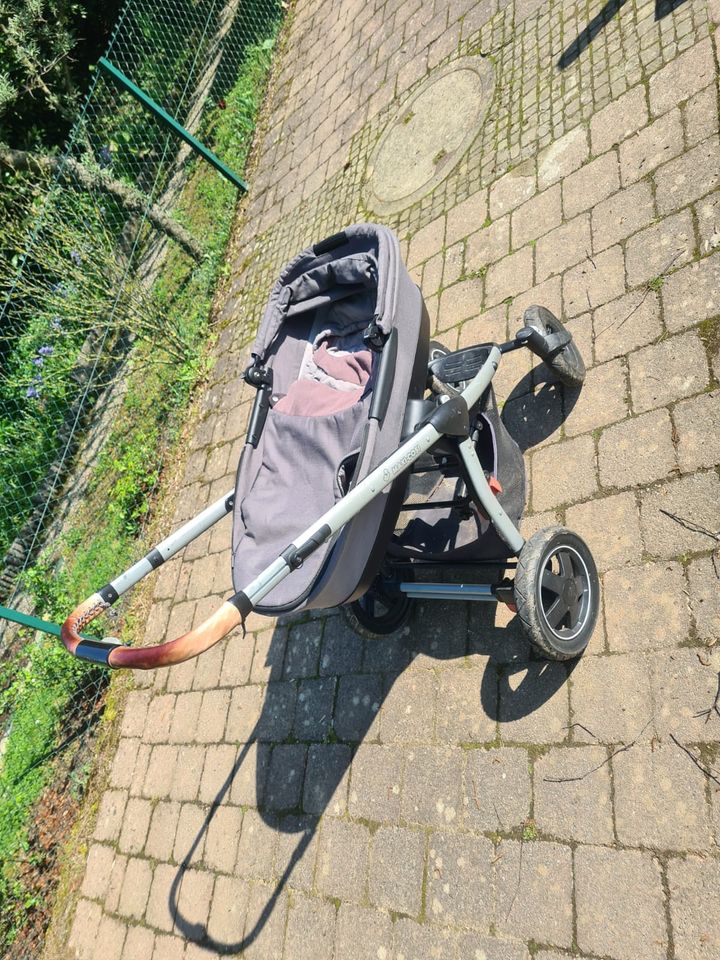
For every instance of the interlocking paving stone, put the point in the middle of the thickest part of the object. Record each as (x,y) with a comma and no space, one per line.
(684,685)
(188,773)
(303,650)
(624,885)
(227,910)
(563,473)
(459,880)
(612,526)
(139,944)
(563,247)
(655,250)
(284,785)
(326,779)
(257,846)
(463,715)
(630,321)
(533,891)
(655,144)
(694,907)
(571,802)
(591,184)
(660,799)
(601,400)
(265,934)
(616,121)
(408,711)
(665,511)
(135,825)
(341,649)
(161,835)
(685,75)
(646,607)
(534,703)
(363,933)
(432,783)
(342,858)
(697,422)
(358,701)
(704,597)
(411,939)
(611,697)
(639,450)
(375,783)
(667,371)
(221,842)
(110,938)
(135,888)
(397,861)
(621,215)
(497,789)
(97,871)
(562,157)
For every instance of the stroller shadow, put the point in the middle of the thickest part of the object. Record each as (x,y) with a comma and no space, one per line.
(532,417)
(326,686)
(598,23)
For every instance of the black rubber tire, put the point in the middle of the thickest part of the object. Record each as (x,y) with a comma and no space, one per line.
(568,365)
(436,349)
(362,616)
(536,582)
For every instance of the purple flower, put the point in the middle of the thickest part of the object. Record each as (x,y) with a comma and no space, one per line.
(75,257)
(46,351)
(56,324)
(37,378)
(32,392)
(38,361)
(105,155)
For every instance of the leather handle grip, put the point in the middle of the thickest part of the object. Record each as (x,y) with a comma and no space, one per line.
(116,655)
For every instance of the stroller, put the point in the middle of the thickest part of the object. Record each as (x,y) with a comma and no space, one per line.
(359,421)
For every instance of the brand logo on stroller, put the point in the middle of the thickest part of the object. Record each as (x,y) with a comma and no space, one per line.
(389,473)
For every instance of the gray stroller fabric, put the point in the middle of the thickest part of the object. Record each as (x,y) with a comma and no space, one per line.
(318,437)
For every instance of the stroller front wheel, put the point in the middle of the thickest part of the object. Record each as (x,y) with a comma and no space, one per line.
(568,365)
(380,611)
(557,592)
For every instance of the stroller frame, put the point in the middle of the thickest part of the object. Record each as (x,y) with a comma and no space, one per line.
(447,423)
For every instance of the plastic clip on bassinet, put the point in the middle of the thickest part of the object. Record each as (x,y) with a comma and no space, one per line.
(358,421)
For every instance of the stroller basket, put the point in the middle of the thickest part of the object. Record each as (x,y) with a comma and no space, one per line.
(352,475)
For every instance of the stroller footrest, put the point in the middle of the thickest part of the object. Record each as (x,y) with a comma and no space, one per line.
(454,368)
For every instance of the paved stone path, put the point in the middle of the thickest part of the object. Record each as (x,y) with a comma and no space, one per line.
(307,794)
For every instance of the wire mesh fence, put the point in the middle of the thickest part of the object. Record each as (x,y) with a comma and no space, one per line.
(109,275)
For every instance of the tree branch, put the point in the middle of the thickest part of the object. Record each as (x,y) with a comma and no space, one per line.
(78,175)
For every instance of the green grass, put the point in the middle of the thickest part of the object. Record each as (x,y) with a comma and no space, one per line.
(38,691)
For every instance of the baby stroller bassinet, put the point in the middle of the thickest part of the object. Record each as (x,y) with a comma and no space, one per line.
(333,410)
(340,421)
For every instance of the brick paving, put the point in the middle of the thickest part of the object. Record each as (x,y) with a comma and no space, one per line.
(303,792)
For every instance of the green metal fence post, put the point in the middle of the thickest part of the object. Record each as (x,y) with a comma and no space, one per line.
(164,117)
(25,620)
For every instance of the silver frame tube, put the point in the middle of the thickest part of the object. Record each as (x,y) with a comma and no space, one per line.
(173,544)
(449,591)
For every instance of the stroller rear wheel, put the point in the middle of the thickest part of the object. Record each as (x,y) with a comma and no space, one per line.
(382,610)
(557,592)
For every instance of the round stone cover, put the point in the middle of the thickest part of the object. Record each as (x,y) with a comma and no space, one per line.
(426,138)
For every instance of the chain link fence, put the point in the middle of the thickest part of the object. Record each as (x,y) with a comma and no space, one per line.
(114,265)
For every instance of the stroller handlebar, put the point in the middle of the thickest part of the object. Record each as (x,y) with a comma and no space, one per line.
(114,654)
